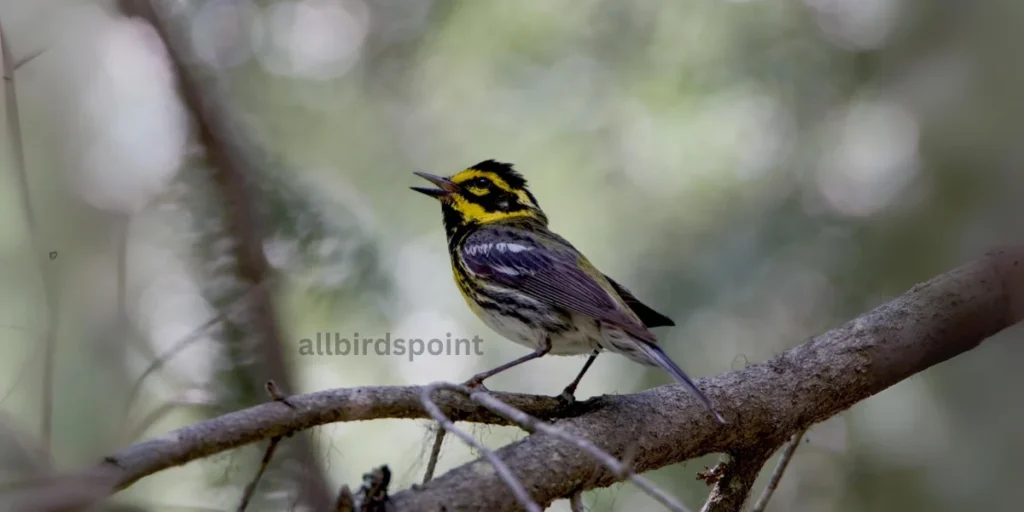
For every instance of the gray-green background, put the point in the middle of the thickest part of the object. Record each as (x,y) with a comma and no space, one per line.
(758,170)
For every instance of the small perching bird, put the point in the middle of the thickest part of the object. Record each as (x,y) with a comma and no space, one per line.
(531,285)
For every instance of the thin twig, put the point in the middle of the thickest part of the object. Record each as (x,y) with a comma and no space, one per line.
(276,394)
(183,343)
(435,454)
(123,228)
(532,424)
(780,468)
(576,502)
(48,364)
(503,471)
(46,274)
(14,128)
(21,450)
(17,65)
(168,354)
(250,489)
(134,430)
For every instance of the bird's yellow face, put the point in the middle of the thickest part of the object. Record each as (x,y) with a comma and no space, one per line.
(485,193)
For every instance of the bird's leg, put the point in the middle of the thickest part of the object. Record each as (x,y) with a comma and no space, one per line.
(569,393)
(478,380)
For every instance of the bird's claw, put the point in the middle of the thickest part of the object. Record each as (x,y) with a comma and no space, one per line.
(476,384)
(567,397)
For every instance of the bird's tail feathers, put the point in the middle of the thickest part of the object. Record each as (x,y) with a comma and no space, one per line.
(659,357)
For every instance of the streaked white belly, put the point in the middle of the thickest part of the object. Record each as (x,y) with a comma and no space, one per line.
(582,335)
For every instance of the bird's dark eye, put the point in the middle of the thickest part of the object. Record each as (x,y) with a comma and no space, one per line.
(480,183)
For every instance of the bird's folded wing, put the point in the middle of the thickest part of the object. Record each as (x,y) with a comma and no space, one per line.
(648,316)
(555,277)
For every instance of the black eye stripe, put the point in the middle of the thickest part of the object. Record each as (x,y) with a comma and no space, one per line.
(495,201)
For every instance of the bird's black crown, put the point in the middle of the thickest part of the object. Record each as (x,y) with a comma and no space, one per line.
(504,171)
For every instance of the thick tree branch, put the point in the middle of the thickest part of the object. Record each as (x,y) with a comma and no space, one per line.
(332,406)
(765,403)
(265,421)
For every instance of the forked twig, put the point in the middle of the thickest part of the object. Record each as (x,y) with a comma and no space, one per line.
(733,479)
(500,467)
(250,489)
(780,468)
(532,424)
(9,76)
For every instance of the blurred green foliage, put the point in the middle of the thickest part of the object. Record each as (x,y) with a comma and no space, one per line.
(760,170)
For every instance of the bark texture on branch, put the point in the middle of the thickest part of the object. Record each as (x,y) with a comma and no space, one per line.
(274,419)
(764,403)
(738,474)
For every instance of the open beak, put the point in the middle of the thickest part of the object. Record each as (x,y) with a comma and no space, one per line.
(445,186)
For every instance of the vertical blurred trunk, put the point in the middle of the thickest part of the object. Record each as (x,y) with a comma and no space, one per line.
(234,265)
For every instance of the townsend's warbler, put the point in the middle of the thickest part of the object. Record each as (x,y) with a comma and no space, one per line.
(531,285)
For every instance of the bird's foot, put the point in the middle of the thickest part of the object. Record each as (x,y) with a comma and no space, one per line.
(476,384)
(568,396)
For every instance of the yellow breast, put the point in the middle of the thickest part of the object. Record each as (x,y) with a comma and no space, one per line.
(465,288)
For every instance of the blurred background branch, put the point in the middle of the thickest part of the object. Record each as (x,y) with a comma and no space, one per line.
(41,256)
(252,336)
